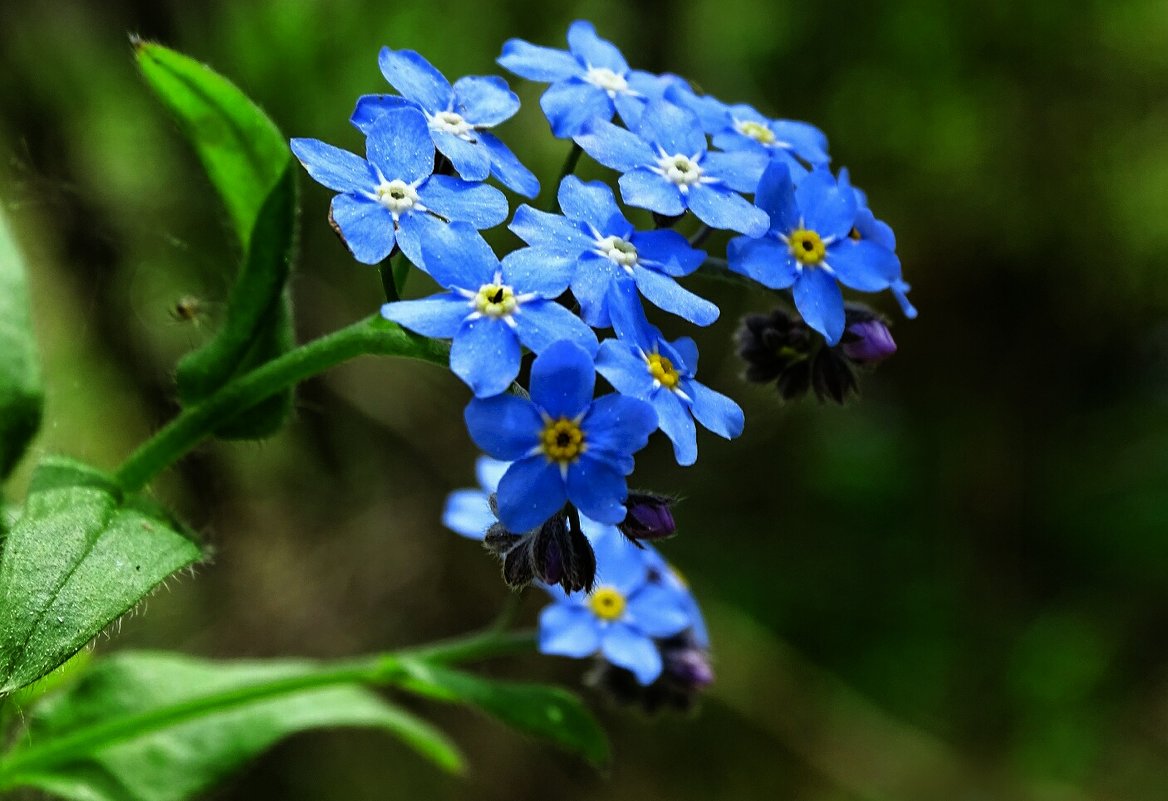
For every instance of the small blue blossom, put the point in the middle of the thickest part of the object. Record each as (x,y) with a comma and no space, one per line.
(393,198)
(667,168)
(490,309)
(867,227)
(566,446)
(808,247)
(590,81)
(599,246)
(468,511)
(642,364)
(458,117)
(622,616)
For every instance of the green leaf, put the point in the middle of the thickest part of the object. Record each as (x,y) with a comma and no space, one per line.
(547,712)
(21,397)
(79,557)
(164,727)
(249,163)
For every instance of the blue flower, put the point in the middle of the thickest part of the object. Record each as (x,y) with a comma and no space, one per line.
(642,364)
(668,169)
(589,82)
(458,117)
(393,199)
(566,446)
(599,246)
(808,247)
(489,310)
(867,227)
(468,511)
(622,616)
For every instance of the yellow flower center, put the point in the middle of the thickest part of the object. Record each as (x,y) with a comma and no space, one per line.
(806,246)
(562,440)
(855,234)
(757,131)
(607,603)
(495,300)
(663,370)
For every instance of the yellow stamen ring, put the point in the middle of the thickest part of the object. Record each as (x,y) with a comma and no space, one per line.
(806,246)
(607,603)
(562,440)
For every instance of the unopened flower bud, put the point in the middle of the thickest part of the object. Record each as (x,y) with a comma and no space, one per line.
(868,342)
(555,553)
(649,517)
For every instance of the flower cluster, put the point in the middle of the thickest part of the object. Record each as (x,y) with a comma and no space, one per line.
(530,332)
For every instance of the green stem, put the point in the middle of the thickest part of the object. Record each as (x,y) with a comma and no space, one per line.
(388,272)
(401,273)
(569,164)
(718,270)
(372,335)
(380,669)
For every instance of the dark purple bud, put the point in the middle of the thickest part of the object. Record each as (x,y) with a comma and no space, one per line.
(649,517)
(689,666)
(868,341)
(557,552)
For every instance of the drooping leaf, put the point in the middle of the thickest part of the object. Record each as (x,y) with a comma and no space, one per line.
(547,712)
(248,162)
(21,397)
(195,722)
(79,557)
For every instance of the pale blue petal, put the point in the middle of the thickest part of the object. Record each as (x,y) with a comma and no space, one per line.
(624,647)
(540,271)
(470,160)
(899,291)
(566,630)
(590,285)
(337,169)
(675,422)
(624,369)
(370,107)
(657,611)
(668,295)
(819,301)
(863,265)
(438,316)
(415,79)
(478,204)
(619,425)
(505,427)
(620,564)
(507,168)
(590,49)
(715,411)
(486,356)
(592,202)
(456,255)
(615,147)
(398,143)
(530,492)
(718,207)
(572,104)
(414,229)
(740,170)
(630,107)
(806,141)
(776,196)
(540,323)
(674,129)
(668,251)
(827,209)
(598,488)
(628,315)
(536,63)
(365,225)
(563,379)
(687,349)
(468,513)
(549,232)
(484,100)
(648,190)
(488,471)
(765,260)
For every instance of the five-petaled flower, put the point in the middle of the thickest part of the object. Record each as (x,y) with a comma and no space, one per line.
(565,445)
(458,117)
(808,247)
(490,309)
(595,242)
(668,168)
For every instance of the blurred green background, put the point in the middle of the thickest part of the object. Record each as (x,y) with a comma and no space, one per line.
(954,589)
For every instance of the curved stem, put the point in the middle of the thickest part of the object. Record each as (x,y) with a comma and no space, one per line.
(569,165)
(373,335)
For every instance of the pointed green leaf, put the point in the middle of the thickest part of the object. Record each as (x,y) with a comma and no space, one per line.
(164,727)
(21,398)
(249,164)
(547,712)
(79,557)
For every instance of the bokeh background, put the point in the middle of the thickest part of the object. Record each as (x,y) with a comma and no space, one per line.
(956,588)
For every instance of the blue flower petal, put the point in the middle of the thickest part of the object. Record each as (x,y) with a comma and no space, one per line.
(507,168)
(543,272)
(624,647)
(414,229)
(624,369)
(819,301)
(863,265)
(573,104)
(740,170)
(470,160)
(687,349)
(806,141)
(765,260)
(828,209)
(718,207)
(366,226)
(530,492)
(776,196)
(675,421)
(488,471)
(540,323)
(630,107)
(657,611)
(370,107)
(484,100)
(668,251)
(505,427)
(337,169)
(598,488)
(647,190)
(899,290)
(478,204)
(592,202)
(668,295)
(439,316)
(590,49)
(674,129)
(398,143)
(615,147)
(415,78)
(485,355)
(568,630)
(456,255)
(594,274)
(715,411)
(619,564)
(618,425)
(468,513)
(628,315)
(536,63)
(549,232)
(563,379)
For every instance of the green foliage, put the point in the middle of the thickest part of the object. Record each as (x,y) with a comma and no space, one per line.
(21,398)
(546,712)
(163,727)
(249,164)
(80,556)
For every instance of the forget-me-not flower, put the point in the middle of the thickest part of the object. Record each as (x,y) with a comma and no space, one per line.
(642,364)
(867,227)
(590,81)
(599,246)
(458,117)
(565,445)
(668,168)
(808,247)
(490,308)
(393,198)
(468,511)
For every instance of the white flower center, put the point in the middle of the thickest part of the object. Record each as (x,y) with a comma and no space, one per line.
(617,250)
(606,79)
(680,170)
(757,131)
(451,122)
(397,196)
